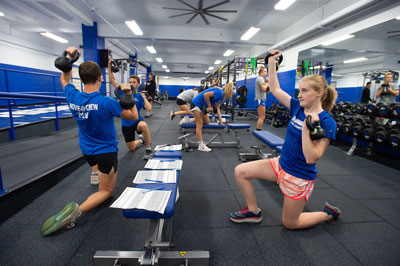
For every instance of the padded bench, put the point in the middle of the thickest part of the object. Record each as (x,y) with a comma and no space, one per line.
(152,254)
(226,116)
(189,129)
(270,139)
(168,154)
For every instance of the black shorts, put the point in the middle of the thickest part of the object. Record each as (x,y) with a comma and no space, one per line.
(104,161)
(129,132)
(180,102)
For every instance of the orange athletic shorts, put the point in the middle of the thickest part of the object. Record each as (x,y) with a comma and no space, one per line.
(291,186)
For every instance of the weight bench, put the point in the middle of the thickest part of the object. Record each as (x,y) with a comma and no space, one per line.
(189,129)
(268,138)
(167,154)
(152,254)
(246,113)
(225,117)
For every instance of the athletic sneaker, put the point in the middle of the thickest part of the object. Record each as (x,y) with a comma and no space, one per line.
(148,114)
(66,217)
(333,211)
(147,155)
(94,178)
(246,216)
(171,115)
(203,147)
(184,120)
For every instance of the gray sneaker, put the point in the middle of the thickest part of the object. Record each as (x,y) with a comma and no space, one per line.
(148,114)
(66,217)
(147,155)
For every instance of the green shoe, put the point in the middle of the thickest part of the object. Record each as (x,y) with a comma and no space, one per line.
(66,217)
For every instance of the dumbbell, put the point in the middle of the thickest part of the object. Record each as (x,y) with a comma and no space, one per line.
(394,138)
(395,107)
(384,110)
(64,63)
(357,129)
(381,135)
(347,126)
(118,89)
(361,108)
(339,126)
(368,132)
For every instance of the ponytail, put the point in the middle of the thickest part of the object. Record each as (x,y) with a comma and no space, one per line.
(318,82)
(329,99)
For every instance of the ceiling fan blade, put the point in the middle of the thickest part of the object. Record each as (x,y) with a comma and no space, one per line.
(200,4)
(393,31)
(218,17)
(184,14)
(218,4)
(394,36)
(183,2)
(222,11)
(173,8)
(187,22)
(204,18)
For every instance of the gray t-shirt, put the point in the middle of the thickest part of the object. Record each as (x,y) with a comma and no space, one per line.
(260,95)
(188,95)
(387,97)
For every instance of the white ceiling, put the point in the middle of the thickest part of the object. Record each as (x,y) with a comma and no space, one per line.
(188,48)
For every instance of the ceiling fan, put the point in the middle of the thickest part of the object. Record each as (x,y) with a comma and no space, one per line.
(200,10)
(394,31)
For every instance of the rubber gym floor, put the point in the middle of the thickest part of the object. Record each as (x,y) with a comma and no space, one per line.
(367,189)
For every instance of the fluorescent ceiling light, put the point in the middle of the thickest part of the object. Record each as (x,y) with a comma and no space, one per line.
(1,14)
(398,17)
(54,37)
(206,72)
(217,62)
(228,52)
(159,59)
(210,68)
(167,70)
(185,78)
(166,77)
(151,49)
(355,60)
(164,66)
(283,4)
(250,33)
(134,27)
(339,39)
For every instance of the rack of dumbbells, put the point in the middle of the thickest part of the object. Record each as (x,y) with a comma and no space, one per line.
(369,123)
(278,114)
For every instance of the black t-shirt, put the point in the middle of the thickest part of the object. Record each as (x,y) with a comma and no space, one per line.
(151,86)
(365,97)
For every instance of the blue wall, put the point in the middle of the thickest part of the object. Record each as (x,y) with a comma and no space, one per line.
(349,94)
(287,82)
(173,90)
(29,80)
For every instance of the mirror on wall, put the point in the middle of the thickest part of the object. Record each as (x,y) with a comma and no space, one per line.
(353,62)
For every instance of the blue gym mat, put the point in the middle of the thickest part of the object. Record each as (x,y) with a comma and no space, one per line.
(23,115)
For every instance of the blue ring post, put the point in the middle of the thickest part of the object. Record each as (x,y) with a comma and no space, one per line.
(11,131)
(2,190)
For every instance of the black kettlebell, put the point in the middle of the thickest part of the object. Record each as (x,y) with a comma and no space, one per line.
(316,132)
(278,63)
(114,67)
(127,101)
(64,64)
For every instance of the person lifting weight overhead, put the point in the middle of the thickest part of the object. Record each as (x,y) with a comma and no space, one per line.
(94,113)
(130,127)
(294,170)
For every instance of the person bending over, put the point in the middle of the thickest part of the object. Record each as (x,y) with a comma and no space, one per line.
(295,169)
(182,100)
(94,114)
(261,95)
(204,103)
(130,127)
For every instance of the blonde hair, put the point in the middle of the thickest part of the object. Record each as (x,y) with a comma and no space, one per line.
(387,74)
(228,88)
(317,82)
(261,69)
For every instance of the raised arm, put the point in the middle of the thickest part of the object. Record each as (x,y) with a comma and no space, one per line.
(111,74)
(276,90)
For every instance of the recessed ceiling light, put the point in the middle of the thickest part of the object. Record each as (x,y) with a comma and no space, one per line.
(338,39)
(217,62)
(284,4)
(164,66)
(228,52)
(54,37)
(355,60)
(159,60)
(151,49)
(167,70)
(250,33)
(134,27)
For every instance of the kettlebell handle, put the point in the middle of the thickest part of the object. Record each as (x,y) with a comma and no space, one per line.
(74,59)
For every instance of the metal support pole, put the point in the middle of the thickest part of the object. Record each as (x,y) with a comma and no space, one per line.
(2,190)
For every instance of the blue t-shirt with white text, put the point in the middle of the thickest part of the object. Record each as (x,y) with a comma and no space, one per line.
(139,103)
(94,114)
(292,159)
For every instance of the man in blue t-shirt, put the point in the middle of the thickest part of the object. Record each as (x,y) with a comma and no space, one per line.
(130,127)
(94,114)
